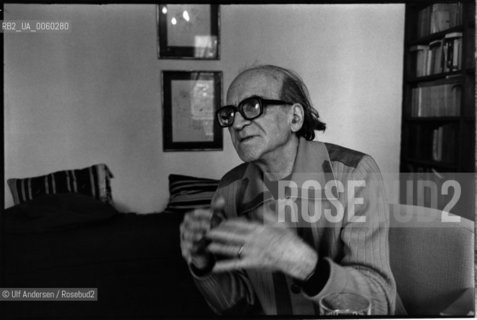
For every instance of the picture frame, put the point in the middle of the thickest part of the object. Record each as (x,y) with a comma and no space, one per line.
(189,100)
(188,31)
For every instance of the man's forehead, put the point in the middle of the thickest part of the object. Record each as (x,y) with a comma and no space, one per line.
(259,82)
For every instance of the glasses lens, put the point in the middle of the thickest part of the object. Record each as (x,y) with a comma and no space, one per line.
(251,108)
(226,116)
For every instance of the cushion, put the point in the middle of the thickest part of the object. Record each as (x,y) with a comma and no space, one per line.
(93,181)
(188,193)
(56,212)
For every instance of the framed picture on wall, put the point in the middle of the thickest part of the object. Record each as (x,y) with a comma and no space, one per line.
(188,31)
(189,100)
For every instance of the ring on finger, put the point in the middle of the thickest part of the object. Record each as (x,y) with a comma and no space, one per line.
(239,252)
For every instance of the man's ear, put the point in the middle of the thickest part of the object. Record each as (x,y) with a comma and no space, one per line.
(297,117)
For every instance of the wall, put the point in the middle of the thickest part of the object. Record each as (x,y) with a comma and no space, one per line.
(94,94)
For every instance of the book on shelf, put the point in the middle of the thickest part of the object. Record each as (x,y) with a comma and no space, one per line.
(423,22)
(437,144)
(443,143)
(419,55)
(436,101)
(452,50)
(438,17)
(435,57)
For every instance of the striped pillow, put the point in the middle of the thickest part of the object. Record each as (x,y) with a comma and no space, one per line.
(188,193)
(93,181)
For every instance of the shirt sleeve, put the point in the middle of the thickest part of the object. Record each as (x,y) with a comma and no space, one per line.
(364,268)
(227,292)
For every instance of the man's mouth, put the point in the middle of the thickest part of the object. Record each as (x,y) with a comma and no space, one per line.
(245,139)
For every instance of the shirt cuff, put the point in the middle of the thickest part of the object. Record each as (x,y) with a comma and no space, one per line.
(317,280)
(334,281)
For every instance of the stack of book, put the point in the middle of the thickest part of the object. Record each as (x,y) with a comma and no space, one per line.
(452,52)
(436,101)
(441,151)
(442,55)
(438,17)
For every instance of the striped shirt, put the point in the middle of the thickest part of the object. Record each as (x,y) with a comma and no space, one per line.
(354,246)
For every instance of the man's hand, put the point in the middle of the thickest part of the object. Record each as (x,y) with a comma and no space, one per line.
(252,245)
(193,229)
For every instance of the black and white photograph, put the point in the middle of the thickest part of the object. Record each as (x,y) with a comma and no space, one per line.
(238,160)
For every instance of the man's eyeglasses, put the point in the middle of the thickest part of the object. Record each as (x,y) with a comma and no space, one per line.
(249,108)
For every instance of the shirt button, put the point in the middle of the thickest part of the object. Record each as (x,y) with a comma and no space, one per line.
(295,288)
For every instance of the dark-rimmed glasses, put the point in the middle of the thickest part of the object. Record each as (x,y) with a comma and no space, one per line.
(249,108)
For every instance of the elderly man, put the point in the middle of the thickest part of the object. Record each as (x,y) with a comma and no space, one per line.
(258,258)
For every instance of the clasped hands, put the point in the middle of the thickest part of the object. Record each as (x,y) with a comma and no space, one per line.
(244,244)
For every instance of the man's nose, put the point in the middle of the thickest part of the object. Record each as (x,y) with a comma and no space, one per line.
(239,121)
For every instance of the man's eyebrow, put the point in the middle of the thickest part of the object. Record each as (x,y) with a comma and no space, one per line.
(252,96)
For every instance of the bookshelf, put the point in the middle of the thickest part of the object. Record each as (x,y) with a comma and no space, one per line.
(438,114)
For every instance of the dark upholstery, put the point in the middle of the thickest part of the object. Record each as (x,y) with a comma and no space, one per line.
(133,260)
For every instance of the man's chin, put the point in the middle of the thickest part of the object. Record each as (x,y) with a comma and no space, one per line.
(248,156)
